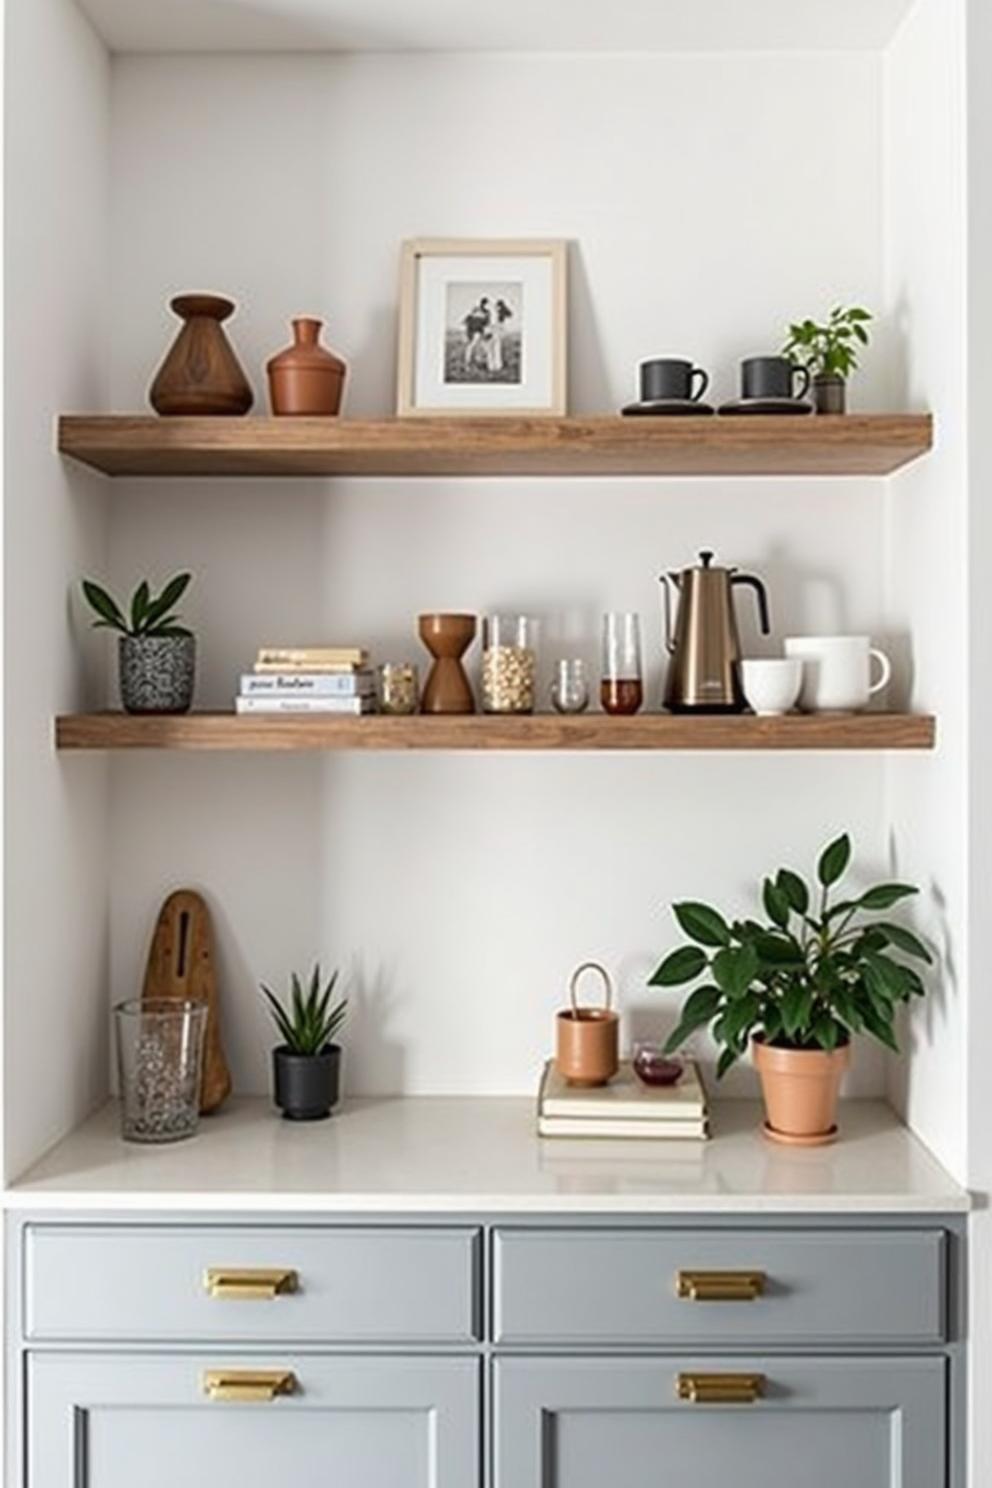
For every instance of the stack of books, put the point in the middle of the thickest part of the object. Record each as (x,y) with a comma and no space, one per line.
(308,679)
(623,1108)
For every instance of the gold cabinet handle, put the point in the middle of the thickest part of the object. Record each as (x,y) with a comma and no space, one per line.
(720,1389)
(720,1286)
(248,1284)
(248,1384)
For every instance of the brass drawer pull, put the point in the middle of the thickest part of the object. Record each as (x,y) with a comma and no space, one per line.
(720,1286)
(248,1384)
(250,1285)
(720,1389)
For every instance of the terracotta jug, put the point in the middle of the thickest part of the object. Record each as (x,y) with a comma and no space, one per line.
(201,374)
(306,378)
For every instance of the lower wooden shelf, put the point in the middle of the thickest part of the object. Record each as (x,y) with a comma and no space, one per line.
(590,731)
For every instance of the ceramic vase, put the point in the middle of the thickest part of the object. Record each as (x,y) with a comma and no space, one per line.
(200,373)
(306,379)
(157,673)
(447,638)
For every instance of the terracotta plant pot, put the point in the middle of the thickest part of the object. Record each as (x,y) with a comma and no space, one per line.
(830,394)
(200,373)
(306,379)
(587,1041)
(800,1088)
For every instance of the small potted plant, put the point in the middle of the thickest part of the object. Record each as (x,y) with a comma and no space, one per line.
(307,1064)
(798,987)
(829,353)
(156,654)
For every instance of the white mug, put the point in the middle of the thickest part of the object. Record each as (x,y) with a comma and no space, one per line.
(771,685)
(837,672)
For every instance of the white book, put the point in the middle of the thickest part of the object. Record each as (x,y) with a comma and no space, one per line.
(577,1126)
(625,1098)
(352,705)
(315,684)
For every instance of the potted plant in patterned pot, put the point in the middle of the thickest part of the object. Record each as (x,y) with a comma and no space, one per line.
(797,987)
(156,652)
(307,1064)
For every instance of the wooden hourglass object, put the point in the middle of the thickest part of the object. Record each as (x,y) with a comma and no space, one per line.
(447,638)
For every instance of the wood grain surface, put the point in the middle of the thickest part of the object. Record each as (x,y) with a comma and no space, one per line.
(180,968)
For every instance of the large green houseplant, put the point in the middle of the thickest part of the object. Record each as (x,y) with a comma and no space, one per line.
(797,986)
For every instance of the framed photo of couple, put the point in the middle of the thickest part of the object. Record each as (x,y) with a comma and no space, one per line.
(482,326)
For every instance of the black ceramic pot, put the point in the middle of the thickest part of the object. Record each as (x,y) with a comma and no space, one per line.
(306,1085)
(830,394)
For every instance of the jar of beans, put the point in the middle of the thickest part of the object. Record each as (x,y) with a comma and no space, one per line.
(509,663)
(398,688)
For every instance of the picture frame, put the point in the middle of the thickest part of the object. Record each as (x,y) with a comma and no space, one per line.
(482,327)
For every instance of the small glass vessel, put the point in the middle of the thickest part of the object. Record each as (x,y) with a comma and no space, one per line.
(570,689)
(159,1065)
(399,688)
(622,688)
(509,663)
(654,1067)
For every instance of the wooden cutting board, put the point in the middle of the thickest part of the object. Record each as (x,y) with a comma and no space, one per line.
(181,967)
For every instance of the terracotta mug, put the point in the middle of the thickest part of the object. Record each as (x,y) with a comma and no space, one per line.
(588,1039)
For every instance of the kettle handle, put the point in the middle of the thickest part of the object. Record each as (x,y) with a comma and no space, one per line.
(760,595)
(666,580)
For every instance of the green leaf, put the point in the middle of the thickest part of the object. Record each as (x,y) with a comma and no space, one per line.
(735,970)
(834,860)
(170,596)
(777,906)
(794,889)
(682,965)
(883,896)
(779,950)
(699,1007)
(728,1058)
(703,924)
(139,606)
(905,940)
(741,1016)
(880,1029)
(796,1006)
(105,606)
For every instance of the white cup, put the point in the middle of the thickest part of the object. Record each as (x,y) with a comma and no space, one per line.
(771,685)
(837,672)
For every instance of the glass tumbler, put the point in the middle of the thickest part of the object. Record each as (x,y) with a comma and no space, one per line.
(570,689)
(509,663)
(399,689)
(159,1064)
(621,688)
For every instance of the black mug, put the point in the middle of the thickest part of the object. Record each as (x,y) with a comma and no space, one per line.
(665,378)
(773,377)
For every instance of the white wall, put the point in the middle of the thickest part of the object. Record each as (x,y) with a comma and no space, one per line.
(928,545)
(56,160)
(458,892)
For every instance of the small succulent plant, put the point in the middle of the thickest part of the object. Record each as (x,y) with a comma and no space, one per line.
(307,1021)
(148,614)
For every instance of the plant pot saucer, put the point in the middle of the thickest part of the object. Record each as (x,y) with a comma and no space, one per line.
(791,1139)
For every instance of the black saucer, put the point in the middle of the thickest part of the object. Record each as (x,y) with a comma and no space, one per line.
(766,405)
(659,407)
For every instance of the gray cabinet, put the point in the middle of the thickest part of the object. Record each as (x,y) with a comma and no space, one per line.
(578,1423)
(116,1420)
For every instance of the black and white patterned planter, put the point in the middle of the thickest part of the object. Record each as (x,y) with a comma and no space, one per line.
(157,673)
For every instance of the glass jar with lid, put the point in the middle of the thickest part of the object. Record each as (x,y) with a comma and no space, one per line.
(509,663)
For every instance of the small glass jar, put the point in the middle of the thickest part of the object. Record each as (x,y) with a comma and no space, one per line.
(621,688)
(509,663)
(570,689)
(159,1064)
(399,687)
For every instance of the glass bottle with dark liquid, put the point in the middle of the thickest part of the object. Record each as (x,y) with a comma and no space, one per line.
(621,690)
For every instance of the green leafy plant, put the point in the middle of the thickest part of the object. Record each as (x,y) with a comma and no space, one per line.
(808,978)
(308,1020)
(829,350)
(148,614)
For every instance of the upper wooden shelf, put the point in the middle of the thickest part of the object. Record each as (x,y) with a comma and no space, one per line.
(541,731)
(858,444)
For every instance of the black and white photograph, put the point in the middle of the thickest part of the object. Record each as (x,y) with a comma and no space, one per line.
(483,338)
(482,326)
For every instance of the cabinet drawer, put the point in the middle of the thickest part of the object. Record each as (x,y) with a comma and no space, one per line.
(348,1285)
(622,1286)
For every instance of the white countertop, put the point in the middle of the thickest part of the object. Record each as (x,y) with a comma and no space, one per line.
(452,1154)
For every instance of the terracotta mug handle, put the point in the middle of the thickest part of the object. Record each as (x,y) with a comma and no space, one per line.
(574,984)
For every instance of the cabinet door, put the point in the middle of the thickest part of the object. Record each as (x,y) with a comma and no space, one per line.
(577,1423)
(111,1421)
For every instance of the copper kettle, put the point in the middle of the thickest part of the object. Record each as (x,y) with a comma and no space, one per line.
(704,673)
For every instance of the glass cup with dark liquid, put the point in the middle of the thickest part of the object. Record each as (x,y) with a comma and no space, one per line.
(621,689)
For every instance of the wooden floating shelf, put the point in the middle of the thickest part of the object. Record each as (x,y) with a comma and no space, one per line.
(590,731)
(858,444)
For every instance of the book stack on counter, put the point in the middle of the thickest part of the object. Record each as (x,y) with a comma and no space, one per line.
(623,1108)
(308,679)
